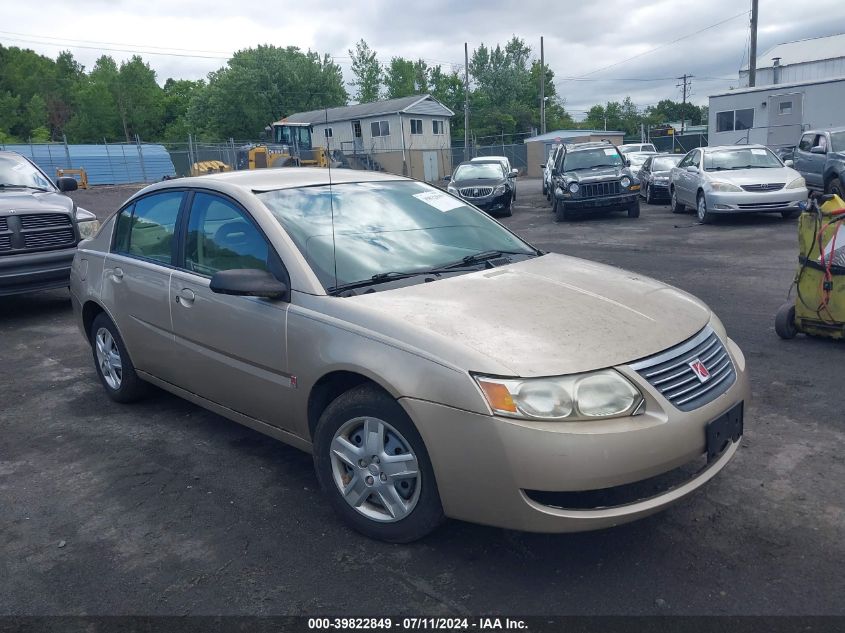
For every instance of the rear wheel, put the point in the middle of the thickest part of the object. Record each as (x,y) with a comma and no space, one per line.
(561,214)
(373,465)
(114,367)
(835,186)
(677,207)
(789,215)
(704,216)
(785,321)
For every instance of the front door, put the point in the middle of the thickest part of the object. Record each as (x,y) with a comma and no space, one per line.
(357,137)
(232,350)
(785,114)
(430,168)
(136,280)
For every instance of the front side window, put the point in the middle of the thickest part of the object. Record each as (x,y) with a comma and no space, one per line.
(687,160)
(350,232)
(221,237)
(806,142)
(416,126)
(380,128)
(146,229)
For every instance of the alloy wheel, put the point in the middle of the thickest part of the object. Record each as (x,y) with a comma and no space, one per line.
(701,209)
(108,357)
(375,469)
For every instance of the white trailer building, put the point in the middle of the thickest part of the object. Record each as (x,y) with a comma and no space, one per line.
(775,115)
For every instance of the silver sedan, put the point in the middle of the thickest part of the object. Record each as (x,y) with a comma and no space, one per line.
(735,179)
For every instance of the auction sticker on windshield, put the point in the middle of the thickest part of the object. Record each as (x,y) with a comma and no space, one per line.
(609,152)
(438,200)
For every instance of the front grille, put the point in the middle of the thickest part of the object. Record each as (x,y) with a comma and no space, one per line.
(44,220)
(771,186)
(5,242)
(476,192)
(763,205)
(46,239)
(670,372)
(598,189)
(4,225)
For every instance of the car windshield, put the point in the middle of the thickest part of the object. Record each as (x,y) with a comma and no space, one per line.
(740,158)
(376,228)
(18,172)
(638,159)
(629,148)
(587,159)
(837,141)
(470,171)
(665,163)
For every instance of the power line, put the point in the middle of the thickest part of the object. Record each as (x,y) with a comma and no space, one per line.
(114,50)
(146,46)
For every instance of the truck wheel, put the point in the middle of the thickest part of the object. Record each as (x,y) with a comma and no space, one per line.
(677,207)
(785,321)
(835,186)
(634,210)
(561,214)
(704,216)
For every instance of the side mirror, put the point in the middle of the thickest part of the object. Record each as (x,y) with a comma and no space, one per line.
(248,282)
(789,162)
(67,183)
(447,178)
(818,150)
(514,173)
(627,162)
(692,169)
(542,165)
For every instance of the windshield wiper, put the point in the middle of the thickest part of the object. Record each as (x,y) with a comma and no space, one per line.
(380,278)
(11,186)
(484,256)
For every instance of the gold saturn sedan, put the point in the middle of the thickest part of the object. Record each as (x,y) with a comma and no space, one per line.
(435,364)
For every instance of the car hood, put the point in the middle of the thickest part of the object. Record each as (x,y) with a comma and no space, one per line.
(545,316)
(478,182)
(755,176)
(598,173)
(29,201)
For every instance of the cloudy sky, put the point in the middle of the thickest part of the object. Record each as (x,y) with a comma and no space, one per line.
(655,41)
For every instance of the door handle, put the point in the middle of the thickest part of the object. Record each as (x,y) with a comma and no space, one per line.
(186,297)
(117,273)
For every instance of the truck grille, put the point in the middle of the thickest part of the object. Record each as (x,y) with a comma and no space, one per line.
(4,225)
(598,189)
(672,374)
(47,239)
(771,186)
(44,220)
(36,231)
(476,192)
(5,242)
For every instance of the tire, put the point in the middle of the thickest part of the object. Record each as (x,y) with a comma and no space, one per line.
(114,367)
(704,216)
(789,215)
(785,322)
(508,212)
(545,189)
(341,459)
(649,196)
(835,186)
(677,207)
(634,210)
(561,214)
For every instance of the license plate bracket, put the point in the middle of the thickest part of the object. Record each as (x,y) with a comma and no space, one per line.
(723,430)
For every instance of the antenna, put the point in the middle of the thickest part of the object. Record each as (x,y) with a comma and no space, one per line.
(331,191)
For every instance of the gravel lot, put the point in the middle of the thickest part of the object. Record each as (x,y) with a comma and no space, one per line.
(164,508)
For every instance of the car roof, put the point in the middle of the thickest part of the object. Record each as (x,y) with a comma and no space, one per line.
(479,159)
(827,129)
(286,178)
(724,147)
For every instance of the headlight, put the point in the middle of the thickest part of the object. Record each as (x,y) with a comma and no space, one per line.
(724,186)
(591,396)
(498,191)
(573,187)
(661,179)
(625,182)
(88,228)
(453,190)
(798,183)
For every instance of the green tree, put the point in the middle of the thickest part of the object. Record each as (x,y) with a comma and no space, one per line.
(367,71)
(399,78)
(9,116)
(178,95)
(139,99)
(96,116)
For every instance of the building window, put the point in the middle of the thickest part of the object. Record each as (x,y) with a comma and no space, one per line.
(437,126)
(380,128)
(785,107)
(328,132)
(731,120)
(416,126)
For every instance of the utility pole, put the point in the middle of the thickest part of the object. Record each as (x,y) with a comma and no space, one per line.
(752,56)
(466,101)
(542,89)
(686,82)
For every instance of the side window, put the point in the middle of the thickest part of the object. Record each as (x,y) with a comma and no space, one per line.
(687,160)
(147,228)
(806,142)
(220,237)
(821,141)
(696,158)
(646,166)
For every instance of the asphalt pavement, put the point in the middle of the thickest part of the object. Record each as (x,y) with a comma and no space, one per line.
(164,508)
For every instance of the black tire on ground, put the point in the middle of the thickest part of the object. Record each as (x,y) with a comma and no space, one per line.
(785,321)
(508,212)
(561,214)
(545,191)
(789,215)
(704,216)
(677,207)
(649,196)
(130,387)
(835,186)
(369,401)
(634,210)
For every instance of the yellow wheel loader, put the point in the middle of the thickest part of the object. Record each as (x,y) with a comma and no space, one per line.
(291,147)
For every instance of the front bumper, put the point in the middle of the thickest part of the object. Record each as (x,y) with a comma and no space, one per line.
(755,202)
(604,202)
(491,204)
(28,272)
(485,466)
(659,189)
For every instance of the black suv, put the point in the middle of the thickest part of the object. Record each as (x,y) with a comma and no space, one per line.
(590,177)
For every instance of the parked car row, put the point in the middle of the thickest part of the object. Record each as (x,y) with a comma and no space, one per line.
(488,182)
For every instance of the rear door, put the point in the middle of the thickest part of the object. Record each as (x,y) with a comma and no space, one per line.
(136,279)
(231,350)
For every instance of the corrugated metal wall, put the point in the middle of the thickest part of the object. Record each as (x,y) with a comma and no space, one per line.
(112,164)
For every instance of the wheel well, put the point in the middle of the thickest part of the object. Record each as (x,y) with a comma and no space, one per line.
(327,389)
(89,312)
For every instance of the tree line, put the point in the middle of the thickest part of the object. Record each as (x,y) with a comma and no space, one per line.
(44,99)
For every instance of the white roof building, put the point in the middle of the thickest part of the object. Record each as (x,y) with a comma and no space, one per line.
(813,59)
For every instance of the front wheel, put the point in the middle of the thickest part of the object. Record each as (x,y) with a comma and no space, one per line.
(677,207)
(704,216)
(785,322)
(374,467)
(634,210)
(561,215)
(835,186)
(649,195)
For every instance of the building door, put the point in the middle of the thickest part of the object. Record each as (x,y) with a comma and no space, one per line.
(785,115)
(357,137)
(430,167)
